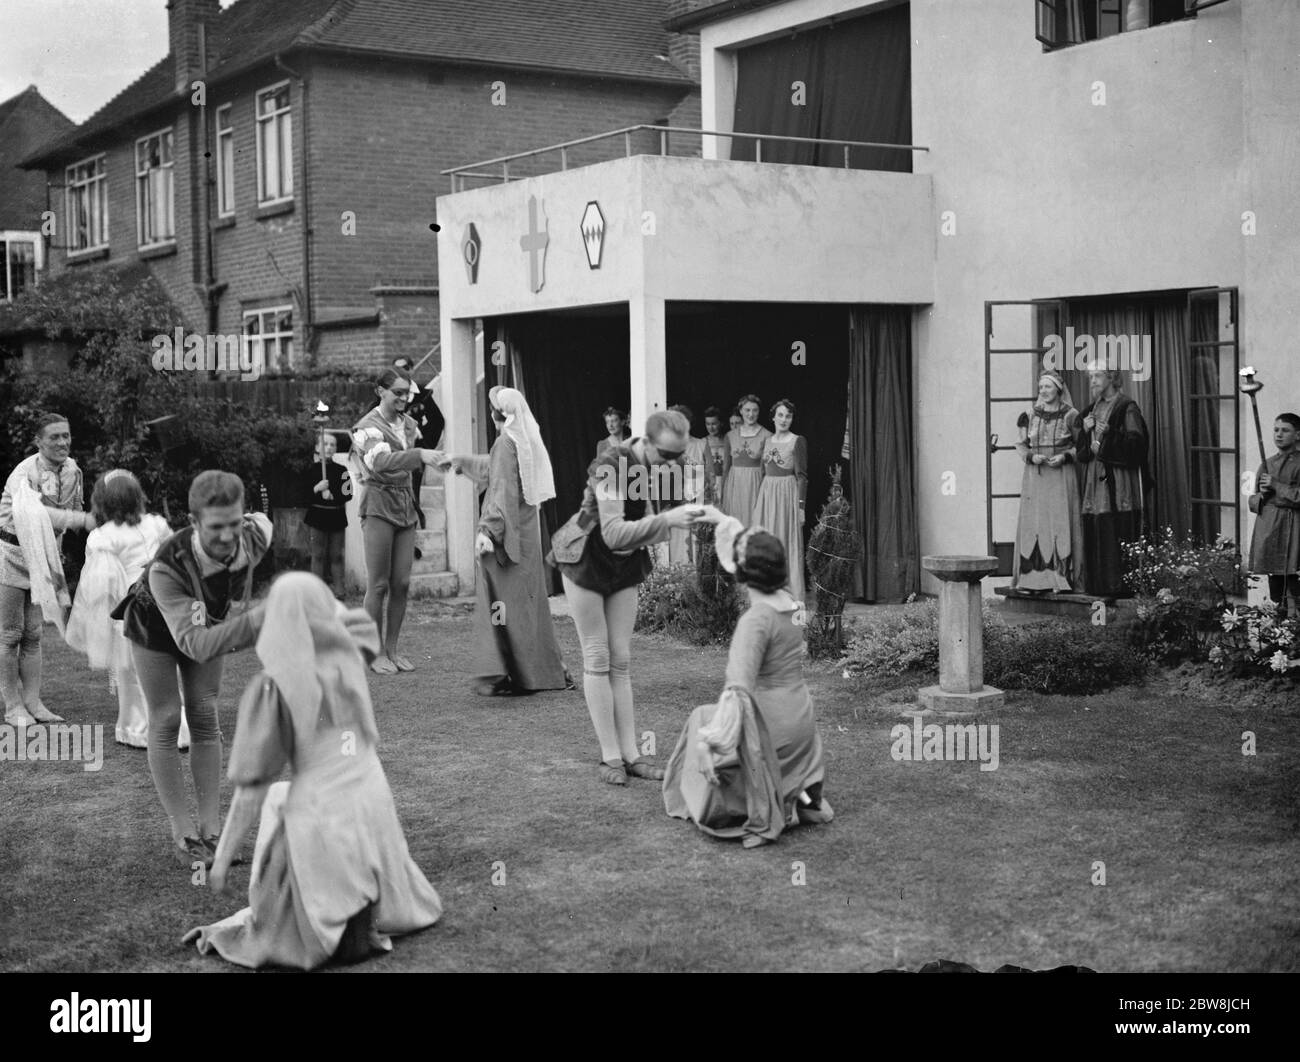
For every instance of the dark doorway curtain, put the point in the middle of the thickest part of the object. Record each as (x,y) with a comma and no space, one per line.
(858,86)
(882,437)
(569,368)
(720,351)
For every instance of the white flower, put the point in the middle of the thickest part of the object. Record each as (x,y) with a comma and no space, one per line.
(1143,612)
(1278,662)
(1216,654)
(846,672)
(1253,642)
(1230,620)
(1165,596)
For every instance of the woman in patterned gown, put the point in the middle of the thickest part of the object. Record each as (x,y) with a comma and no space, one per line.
(747,445)
(1049,535)
(780,506)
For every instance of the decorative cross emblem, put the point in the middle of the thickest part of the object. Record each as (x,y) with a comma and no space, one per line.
(534,244)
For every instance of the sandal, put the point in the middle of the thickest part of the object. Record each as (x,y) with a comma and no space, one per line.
(383,665)
(502,687)
(211,844)
(643,768)
(192,850)
(612,773)
(753,840)
(817,816)
(402,663)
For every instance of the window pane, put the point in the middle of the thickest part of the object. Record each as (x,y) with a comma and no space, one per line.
(252,325)
(22,266)
(286,156)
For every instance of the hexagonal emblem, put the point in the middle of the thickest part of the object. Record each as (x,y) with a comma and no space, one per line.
(470,247)
(593,233)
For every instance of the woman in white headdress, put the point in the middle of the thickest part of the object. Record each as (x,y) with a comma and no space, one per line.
(1049,534)
(513,633)
(332,877)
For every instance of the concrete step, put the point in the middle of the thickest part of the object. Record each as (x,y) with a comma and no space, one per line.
(430,563)
(432,497)
(434,584)
(1081,607)
(431,540)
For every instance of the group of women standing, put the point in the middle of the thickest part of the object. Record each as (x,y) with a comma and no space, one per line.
(758,476)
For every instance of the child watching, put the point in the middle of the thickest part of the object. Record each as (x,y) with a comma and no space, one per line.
(327,518)
(1275,545)
(125,540)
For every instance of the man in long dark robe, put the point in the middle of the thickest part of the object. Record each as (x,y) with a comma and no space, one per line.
(514,636)
(1112,448)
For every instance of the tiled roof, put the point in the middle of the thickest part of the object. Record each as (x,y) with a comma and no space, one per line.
(604,38)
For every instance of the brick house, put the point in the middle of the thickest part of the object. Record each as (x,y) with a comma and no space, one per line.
(27,121)
(276,171)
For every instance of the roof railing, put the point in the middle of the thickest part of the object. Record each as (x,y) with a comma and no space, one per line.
(458,174)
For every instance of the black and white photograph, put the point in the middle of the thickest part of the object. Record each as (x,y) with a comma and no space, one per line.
(651,486)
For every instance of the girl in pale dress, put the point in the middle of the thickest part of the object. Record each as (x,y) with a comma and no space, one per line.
(752,764)
(780,506)
(332,876)
(747,445)
(1049,532)
(718,454)
(125,540)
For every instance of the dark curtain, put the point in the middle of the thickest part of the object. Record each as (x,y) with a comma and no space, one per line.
(569,369)
(882,489)
(1204,479)
(1171,502)
(858,86)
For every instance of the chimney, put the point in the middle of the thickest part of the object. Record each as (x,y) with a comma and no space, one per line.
(183,20)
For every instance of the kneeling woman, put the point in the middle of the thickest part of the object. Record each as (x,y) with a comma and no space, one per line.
(751,764)
(331,872)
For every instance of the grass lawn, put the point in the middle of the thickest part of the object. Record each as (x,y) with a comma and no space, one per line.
(924,860)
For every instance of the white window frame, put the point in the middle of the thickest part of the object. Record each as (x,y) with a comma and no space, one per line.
(225,156)
(96,188)
(255,344)
(280,123)
(14,236)
(147,186)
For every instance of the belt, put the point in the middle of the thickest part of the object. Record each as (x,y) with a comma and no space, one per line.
(5,536)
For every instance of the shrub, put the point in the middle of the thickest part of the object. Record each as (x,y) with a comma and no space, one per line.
(1051,656)
(1254,642)
(671,602)
(1182,590)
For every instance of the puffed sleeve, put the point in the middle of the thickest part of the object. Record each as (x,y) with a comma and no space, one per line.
(377,455)
(263,735)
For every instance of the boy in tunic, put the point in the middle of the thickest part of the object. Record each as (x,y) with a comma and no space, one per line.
(1275,545)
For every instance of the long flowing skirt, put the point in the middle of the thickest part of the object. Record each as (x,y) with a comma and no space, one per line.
(1049,532)
(329,849)
(778,511)
(740,495)
(513,631)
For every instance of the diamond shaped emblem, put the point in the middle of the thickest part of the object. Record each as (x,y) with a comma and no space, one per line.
(470,247)
(593,233)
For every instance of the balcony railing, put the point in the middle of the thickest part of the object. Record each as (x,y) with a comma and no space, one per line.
(459,174)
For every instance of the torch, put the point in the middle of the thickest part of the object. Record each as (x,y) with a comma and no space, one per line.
(1251,386)
(319,418)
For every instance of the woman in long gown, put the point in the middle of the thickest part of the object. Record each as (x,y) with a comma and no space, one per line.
(331,874)
(1049,532)
(780,505)
(513,632)
(718,454)
(752,764)
(747,444)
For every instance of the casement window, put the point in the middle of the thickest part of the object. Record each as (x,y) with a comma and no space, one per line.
(274,145)
(155,211)
(1061,23)
(86,205)
(225,162)
(1178,355)
(22,258)
(268,337)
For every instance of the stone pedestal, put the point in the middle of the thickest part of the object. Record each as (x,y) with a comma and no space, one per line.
(961,688)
